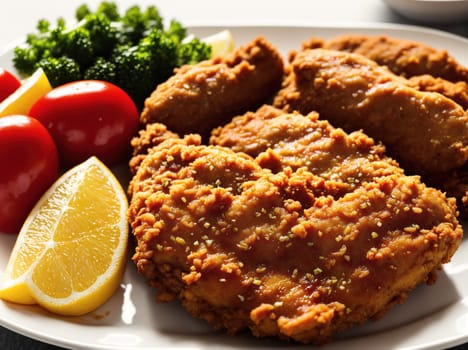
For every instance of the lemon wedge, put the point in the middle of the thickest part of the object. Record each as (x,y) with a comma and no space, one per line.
(221,43)
(69,256)
(31,89)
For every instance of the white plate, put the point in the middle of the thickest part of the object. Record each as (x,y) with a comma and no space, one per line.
(433,317)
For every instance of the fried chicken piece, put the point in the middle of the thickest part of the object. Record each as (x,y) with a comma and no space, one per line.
(403,57)
(456,91)
(199,97)
(426,132)
(455,184)
(243,247)
(155,134)
(279,140)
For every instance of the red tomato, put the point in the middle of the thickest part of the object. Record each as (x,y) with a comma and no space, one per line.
(29,165)
(86,118)
(8,84)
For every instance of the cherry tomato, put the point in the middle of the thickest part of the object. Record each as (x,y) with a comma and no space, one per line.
(29,164)
(86,118)
(8,84)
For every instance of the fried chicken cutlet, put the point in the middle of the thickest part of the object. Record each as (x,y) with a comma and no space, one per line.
(403,57)
(457,91)
(242,246)
(425,68)
(199,97)
(426,132)
(279,140)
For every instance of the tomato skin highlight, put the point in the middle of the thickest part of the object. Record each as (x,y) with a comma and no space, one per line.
(29,165)
(86,118)
(8,84)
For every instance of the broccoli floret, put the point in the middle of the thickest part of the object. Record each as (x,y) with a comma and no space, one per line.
(134,50)
(60,70)
(135,24)
(193,51)
(79,45)
(102,34)
(82,11)
(141,67)
(134,73)
(25,59)
(109,9)
(154,19)
(176,31)
(102,69)
(43,26)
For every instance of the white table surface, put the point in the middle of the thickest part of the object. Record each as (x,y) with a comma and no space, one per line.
(19,17)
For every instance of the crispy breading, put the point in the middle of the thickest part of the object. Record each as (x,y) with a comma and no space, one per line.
(425,131)
(282,252)
(456,91)
(200,97)
(279,140)
(403,57)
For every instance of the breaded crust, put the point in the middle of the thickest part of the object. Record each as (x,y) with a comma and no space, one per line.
(282,253)
(426,132)
(202,96)
(403,57)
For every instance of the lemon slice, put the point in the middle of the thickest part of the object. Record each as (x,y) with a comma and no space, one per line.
(221,43)
(70,253)
(31,89)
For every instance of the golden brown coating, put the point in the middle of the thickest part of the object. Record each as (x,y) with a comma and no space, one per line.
(243,247)
(202,96)
(456,91)
(403,57)
(279,140)
(399,56)
(426,132)
(455,184)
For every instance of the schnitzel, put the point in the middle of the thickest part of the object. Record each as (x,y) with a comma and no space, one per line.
(272,241)
(200,97)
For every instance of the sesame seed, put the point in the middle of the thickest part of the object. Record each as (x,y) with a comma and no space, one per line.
(242,245)
(317,271)
(278,304)
(180,240)
(260,269)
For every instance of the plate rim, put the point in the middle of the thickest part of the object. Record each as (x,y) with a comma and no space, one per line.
(262,24)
